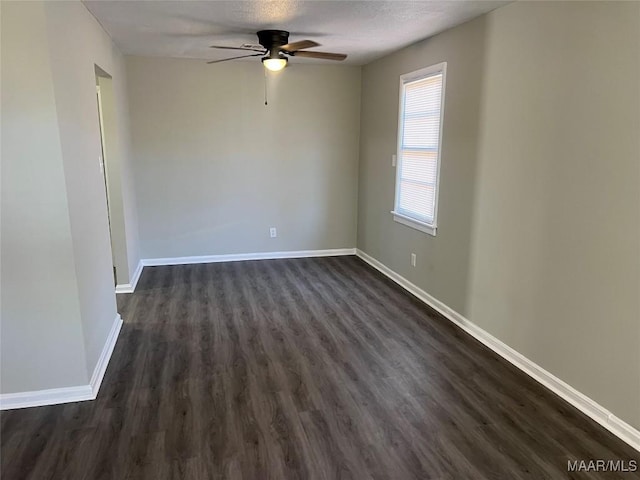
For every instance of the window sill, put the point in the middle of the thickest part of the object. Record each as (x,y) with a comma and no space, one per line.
(413,223)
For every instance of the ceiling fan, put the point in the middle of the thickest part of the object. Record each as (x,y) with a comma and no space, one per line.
(275,49)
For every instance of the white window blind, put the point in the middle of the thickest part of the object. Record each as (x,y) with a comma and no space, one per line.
(420,123)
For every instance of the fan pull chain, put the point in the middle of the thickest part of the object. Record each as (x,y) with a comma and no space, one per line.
(265,86)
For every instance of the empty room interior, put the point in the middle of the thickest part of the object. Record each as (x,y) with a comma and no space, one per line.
(320,239)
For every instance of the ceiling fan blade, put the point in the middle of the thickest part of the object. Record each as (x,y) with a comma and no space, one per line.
(250,49)
(302,44)
(233,58)
(323,55)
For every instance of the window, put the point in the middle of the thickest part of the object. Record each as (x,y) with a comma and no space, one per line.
(419,139)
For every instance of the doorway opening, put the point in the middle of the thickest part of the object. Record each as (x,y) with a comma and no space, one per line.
(110,158)
(101,78)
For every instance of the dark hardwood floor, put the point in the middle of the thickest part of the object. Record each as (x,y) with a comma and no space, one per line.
(308,368)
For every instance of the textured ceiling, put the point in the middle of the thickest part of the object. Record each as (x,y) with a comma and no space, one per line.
(365,30)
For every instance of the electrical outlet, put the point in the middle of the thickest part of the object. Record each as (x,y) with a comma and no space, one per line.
(413,259)
(273,233)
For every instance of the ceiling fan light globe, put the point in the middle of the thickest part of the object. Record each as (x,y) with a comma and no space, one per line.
(274,64)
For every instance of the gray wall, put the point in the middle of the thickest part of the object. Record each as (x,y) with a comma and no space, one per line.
(77,43)
(41,335)
(556,244)
(215,167)
(57,283)
(74,64)
(442,261)
(539,235)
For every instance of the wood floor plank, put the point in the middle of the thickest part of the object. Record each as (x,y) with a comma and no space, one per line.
(317,368)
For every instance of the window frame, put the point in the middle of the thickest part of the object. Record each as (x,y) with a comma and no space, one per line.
(405,79)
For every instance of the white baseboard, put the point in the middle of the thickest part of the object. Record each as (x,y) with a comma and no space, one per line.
(105,356)
(238,257)
(579,400)
(51,396)
(234,257)
(54,396)
(131,286)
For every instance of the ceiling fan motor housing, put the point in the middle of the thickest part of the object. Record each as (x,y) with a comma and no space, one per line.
(275,49)
(272,40)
